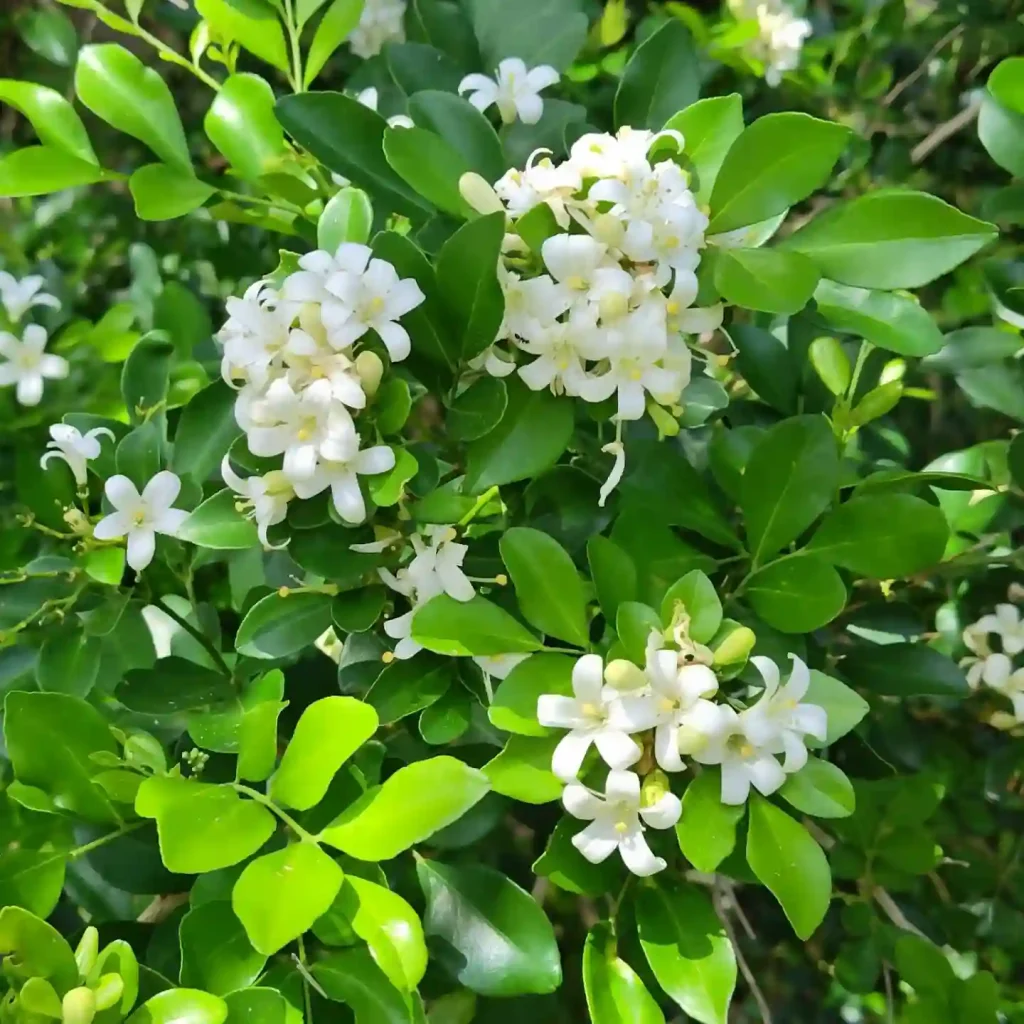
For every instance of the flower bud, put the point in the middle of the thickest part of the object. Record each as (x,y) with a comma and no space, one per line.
(479,194)
(624,675)
(736,647)
(79,1006)
(86,950)
(895,369)
(608,229)
(76,519)
(690,740)
(369,368)
(654,788)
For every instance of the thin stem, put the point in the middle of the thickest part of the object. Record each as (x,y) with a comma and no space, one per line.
(304,972)
(80,851)
(261,798)
(197,635)
(865,350)
(280,205)
(479,504)
(176,58)
(748,975)
(293,36)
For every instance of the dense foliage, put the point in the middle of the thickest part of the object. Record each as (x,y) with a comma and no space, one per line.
(511,511)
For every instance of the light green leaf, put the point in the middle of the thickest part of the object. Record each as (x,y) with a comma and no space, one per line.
(495,939)
(50,33)
(687,948)
(279,895)
(51,115)
(430,165)
(162,192)
(216,954)
(38,949)
(695,595)
(613,573)
(661,78)
(335,27)
(709,127)
(257,741)
(119,89)
(32,879)
(242,125)
(769,280)
(179,1005)
(405,687)
(253,25)
(543,31)
(347,217)
(844,707)
(411,805)
(40,170)
(707,828)
(820,789)
(277,626)
(470,628)
(353,977)
(218,524)
(514,708)
(328,733)
(797,595)
(634,624)
(522,770)
(1001,132)
(786,859)
(564,865)
(615,994)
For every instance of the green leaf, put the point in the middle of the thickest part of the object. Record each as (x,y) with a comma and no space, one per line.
(767,366)
(770,280)
(447,719)
(797,595)
(1001,132)
(259,1006)
(477,410)
(328,733)
(162,192)
(414,803)
(347,217)
(276,626)
(356,611)
(40,170)
(202,827)
(890,239)
(467,281)
(405,687)
(218,524)
(352,977)
(279,895)
(661,78)
(54,119)
(463,127)
(145,375)
(253,25)
(32,879)
(820,789)
(390,928)
(206,430)
(514,708)
(699,599)
(348,138)
(470,628)
(257,741)
(221,731)
(709,127)
(905,670)
(119,89)
(893,322)
(972,347)
(340,18)
(547,584)
(173,685)
(50,33)
(242,125)
(430,165)
(179,1005)
(786,859)
(530,437)
(634,623)
(687,948)
(615,993)
(492,936)
(775,162)
(69,660)
(613,573)
(522,770)
(883,537)
(707,828)
(789,481)
(50,740)
(39,950)
(543,31)
(387,488)
(1006,83)
(844,707)
(216,954)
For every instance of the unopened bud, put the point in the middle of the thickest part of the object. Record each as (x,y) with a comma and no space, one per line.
(86,950)
(369,368)
(690,740)
(479,194)
(608,229)
(78,522)
(624,675)
(736,647)
(108,990)
(654,788)
(667,424)
(895,369)
(79,1006)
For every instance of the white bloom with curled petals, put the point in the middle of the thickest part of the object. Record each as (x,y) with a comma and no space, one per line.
(140,517)
(380,22)
(560,352)
(515,90)
(254,334)
(1007,624)
(75,448)
(573,260)
(541,181)
(617,821)
(266,497)
(308,361)
(1000,675)
(593,716)
(18,297)
(29,364)
(532,305)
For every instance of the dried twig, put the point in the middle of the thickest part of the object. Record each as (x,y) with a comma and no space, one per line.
(895,914)
(748,975)
(905,83)
(944,131)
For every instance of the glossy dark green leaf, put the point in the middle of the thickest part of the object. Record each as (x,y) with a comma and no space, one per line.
(353,978)
(69,661)
(405,687)
(146,373)
(218,524)
(32,879)
(905,670)
(476,627)
(564,865)
(514,708)
(820,789)
(797,595)
(277,626)
(661,78)
(173,685)
(216,954)
(206,431)
(767,365)
(477,410)
(430,165)
(543,31)
(465,129)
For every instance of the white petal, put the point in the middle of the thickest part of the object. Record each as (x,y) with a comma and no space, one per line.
(809,718)
(348,498)
(634,712)
(169,521)
(399,627)
(997,670)
(766,774)
(558,712)
(113,527)
(380,459)
(623,787)
(568,756)
(769,673)
(666,748)
(30,389)
(404,296)
(637,855)
(141,546)
(478,83)
(631,400)
(580,802)
(407,648)
(696,681)
(121,493)
(396,340)
(542,76)
(530,108)
(799,680)
(588,679)
(455,582)
(735,782)
(597,842)
(796,753)
(616,748)
(162,490)
(664,812)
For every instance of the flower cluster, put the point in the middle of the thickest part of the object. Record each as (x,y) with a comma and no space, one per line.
(994,641)
(780,35)
(27,363)
(381,21)
(515,90)
(666,710)
(293,352)
(604,308)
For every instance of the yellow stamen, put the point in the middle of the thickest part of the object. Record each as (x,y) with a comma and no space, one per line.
(576,282)
(621,827)
(387,657)
(746,750)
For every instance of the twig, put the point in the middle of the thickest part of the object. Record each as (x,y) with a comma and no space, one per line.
(944,131)
(895,914)
(889,1009)
(748,975)
(197,635)
(914,75)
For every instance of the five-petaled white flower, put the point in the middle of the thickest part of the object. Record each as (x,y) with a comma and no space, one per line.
(17,297)
(615,821)
(28,364)
(74,447)
(515,90)
(140,517)
(381,21)
(1007,624)
(593,716)
(266,497)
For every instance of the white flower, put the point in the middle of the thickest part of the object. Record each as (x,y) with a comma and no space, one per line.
(368,98)
(75,448)
(615,821)
(338,468)
(498,666)
(308,361)
(574,260)
(594,717)
(780,38)
(999,674)
(531,305)
(743,763)
(399,628)
(673,705)
(560,350)
(541,181)
(1007,624)
(140,517)
(266,497)
(778,721)
(514,89)
(255,332)
(28,364)
(17,297)
(381,21)
(618,450)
